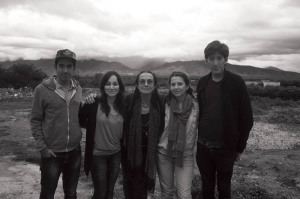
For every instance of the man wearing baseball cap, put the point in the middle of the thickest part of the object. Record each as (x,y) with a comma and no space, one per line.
(55,127)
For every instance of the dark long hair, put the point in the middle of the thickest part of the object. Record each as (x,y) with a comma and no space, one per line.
(185,79)
(119,101)
(145,71)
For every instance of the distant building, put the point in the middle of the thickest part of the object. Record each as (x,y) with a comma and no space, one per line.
(263,83)
(254,82)
(270,83)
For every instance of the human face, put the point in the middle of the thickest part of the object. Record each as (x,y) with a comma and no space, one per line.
(112,87)
(64,70)
(217,64)
(146,83)
(178,86)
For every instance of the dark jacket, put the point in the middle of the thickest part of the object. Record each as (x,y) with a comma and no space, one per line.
(132,156)
(160,106)
(237,111)
(87,119)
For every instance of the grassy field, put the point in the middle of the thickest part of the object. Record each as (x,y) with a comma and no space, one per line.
(270,167)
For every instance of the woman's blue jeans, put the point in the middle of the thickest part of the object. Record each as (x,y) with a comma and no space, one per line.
(169,173)
(67,163)
(105,170)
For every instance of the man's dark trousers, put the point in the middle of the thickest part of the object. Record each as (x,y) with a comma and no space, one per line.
(215,164)
(67,163)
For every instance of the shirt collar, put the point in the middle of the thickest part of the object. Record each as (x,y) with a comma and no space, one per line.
(60,86)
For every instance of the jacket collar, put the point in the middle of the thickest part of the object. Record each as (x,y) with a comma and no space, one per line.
(49,82)
(208,76)
(58,85)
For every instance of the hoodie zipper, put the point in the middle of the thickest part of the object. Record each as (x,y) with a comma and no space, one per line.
(68,116)
(68,136)
(68,108)
(68,113)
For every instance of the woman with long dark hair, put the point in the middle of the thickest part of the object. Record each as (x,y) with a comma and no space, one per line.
(142,128)
(104,120)
(176,145)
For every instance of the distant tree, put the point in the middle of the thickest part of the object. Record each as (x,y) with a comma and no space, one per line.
(3,77)
(287,83)
(284,93)
(90,81)
(24,75)
(97,79)
(76,75)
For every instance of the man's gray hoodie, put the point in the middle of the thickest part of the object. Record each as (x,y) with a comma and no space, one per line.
(54,123)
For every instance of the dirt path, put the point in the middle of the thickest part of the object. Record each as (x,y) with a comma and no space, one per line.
(20,174)
(18,179)
(19,162)
(21,180)
(262,174)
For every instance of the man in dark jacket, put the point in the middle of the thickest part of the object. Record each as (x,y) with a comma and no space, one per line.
(55,127)
(225,121)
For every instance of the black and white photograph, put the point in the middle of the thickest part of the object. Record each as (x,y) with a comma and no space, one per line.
(149,99)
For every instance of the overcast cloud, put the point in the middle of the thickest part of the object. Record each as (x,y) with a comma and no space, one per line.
(259,33)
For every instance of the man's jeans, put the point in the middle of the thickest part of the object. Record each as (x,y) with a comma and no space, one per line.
(183,177)
(67,163)
(215,163)
(105,170)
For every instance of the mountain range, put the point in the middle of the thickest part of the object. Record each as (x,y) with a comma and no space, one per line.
(90,67)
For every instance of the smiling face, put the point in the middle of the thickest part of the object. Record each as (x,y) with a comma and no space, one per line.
(112,87)
(178,86)
(64,70)
(146,83)
(216,63)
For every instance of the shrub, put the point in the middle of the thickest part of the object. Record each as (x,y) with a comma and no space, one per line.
(3,78)
(21,75)
(273,92)
(287,83)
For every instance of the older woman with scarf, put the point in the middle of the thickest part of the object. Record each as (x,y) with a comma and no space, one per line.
(143,126)
(176,145)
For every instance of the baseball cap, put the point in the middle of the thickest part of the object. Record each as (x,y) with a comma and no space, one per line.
(65,53)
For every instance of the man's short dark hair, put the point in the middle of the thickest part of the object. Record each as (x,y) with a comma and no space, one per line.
(216,47)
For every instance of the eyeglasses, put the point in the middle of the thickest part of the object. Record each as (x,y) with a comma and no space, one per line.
(148,82)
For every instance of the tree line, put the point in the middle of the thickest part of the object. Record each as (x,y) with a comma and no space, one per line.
(22,75)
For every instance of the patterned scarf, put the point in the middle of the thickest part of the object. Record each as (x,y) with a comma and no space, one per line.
(135,154)
(177,128)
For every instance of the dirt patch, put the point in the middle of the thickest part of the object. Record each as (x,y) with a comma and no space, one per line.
(18,179)
(269,168)
(266,170)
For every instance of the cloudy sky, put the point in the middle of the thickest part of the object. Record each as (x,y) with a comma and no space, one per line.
(261,33)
